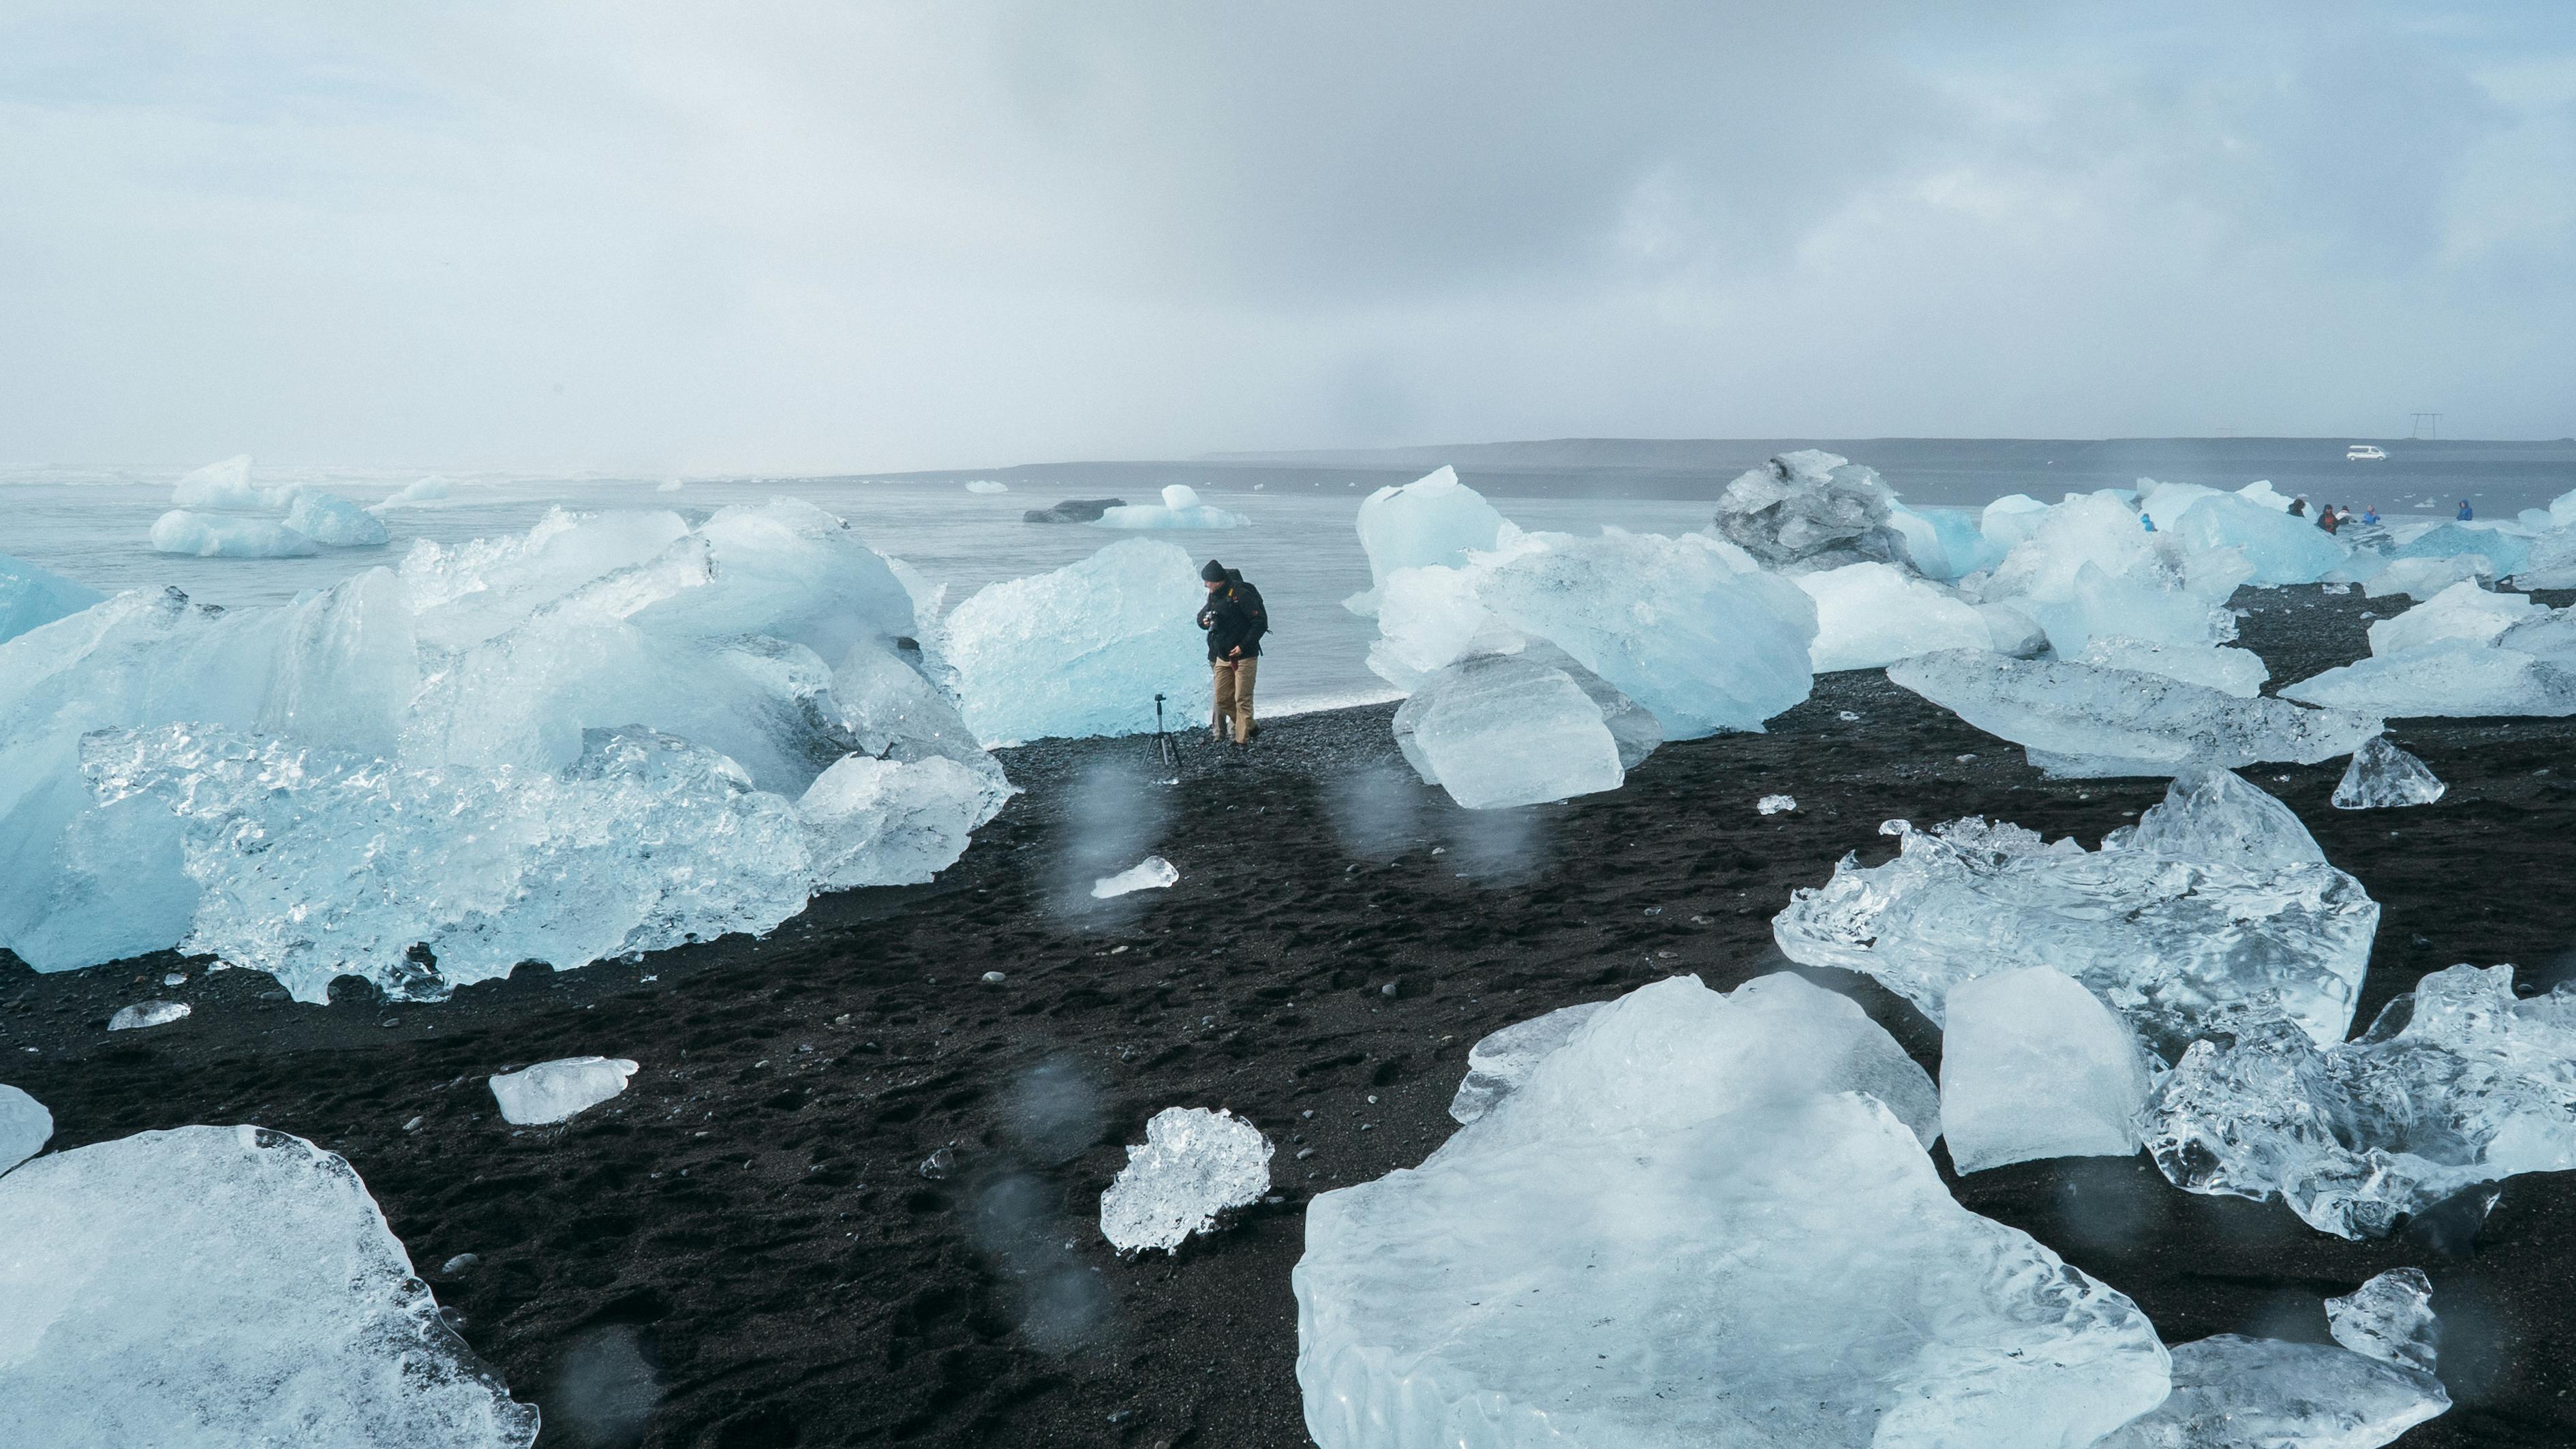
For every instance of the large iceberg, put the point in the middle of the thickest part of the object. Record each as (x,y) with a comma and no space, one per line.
(2456,678)
(2211,906)
(213,535)
(30,596)
(1810,509)
(1083,650)
(2033,1065)
(1869,615)
(1180,508)
(224,1286)
(588,740)
(2087,566)
(1702,1220)
(2081,719)
(334,521)
(2457,1083)
(1433,520)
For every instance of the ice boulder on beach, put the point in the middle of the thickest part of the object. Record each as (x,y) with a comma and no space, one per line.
(2203,913)
(2505,553)
(1869,615)
(558,1091)
(212,535)
(224,1286)
(1702,1220)
(2424,578)
(1193,1165)
(1180,508)
(1499,730)
(336,522)
(2229,670)
(2464,611)
(25,1127)
(2455,679)
(30,596)
(1082,650)
(2458,1083)
(2382,776)
(1435,520)
(1810,508)
(2033,1066)
(875,822)
(144,1015)
(1500,1061)
(2081,719)
(2284,548)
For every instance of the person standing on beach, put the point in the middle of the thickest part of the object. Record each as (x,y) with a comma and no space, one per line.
(2327,520)
(1235,621)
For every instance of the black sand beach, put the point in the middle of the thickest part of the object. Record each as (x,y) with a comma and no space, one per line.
(752,1220)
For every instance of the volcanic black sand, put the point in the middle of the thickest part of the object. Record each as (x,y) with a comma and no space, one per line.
(747,1239)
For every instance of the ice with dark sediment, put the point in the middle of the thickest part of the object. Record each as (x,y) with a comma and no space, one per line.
(1811,509)
(224,1286)
(2382,776)
(558,1091)
(2464,611)
(1193,1165)
(1081,650)
(25,1126)
(2085,720)
(30,596)
(2229,670)
(1500,1061)
(1433,521)
(2455,678)
(1702,1220)
(2032,1066)
(2216,902)
(2457,1083)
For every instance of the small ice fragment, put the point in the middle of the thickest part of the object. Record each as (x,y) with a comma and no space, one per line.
(938,1165)
(1776,804)
(1150,874)
(2032,1066)
(1193,1164)
(2390,1318)
(2234,1392)
(993,978)
(2382,775)
(147,1013)
(174,978)
(557,1090)
(1846,716)
(1498,1063)
(25,1126)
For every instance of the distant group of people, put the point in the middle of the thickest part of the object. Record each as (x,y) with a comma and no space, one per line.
(2331,518)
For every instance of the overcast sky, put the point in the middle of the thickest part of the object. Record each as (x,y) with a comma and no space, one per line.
(855,237)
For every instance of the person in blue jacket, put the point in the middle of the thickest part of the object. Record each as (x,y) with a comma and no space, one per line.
(2466,512)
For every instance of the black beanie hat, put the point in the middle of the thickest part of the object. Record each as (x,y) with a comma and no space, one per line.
(1214,573)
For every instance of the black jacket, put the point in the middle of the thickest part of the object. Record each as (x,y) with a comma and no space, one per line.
(1234,618)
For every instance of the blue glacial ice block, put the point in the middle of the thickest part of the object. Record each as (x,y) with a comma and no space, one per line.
(30,596)
(1433,520)
(1083,650)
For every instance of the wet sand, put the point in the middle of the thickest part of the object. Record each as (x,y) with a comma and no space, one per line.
(751,1220)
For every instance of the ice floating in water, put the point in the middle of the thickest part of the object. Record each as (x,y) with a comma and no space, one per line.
(1180,508)
(2033,1065)
(419,493)
(1192,1165)
(1499,730)
(987,485)
(1153,873)
(1432,521)
(30,596)
(2234,1392)
(2458,1083)
(334,521)
(143,1014)
(587,740)
(2206,911)
(1073,510)
(673,485)
(1702,1220)
(225,1285)
(2454,679)
(25,1127)
(1776,804)
(1869,615)
(2389,1318)
(1498,1063)
(220,485)
(556,1091)
(2081,719)
(2239,672)
(1083,650)
(2382,775)
(2462,612)
(209,535)
(1810,508)
(2426,577)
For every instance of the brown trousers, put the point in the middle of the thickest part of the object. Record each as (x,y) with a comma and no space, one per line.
(1234,697)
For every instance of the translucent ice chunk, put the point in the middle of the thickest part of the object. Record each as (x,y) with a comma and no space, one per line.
(2032,1065)
(267,1303)
(1498,1063)
(2382,775)
(1945,543)
(2239,672)
(2172,943)
(219,485)
(2457,1083)
(1192,1165)
(1180,508)
(1498,730)
(30,596)
(2389,1318)
(557,1091)
(1776,804)
(2218,818)
(144,1014)
(25,1127)
(1810,507)
(1869,615)
(334,521)
(2284,548)
(1083,650)
(2454,679)
(2082,719)
(212,535)
(2462,612)
(2426,577)
(987,485)
(1691,1226)
(1434,520)
(1153,873)
(2548,636)
(2234,1392)
(876,822)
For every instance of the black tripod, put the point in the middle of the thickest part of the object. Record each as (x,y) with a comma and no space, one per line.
(1165,748)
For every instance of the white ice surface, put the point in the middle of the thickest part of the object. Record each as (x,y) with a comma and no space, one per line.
(1180,508)
(1499,730)
(215,535)
(2424,578)
(1153,873)
(224,485)
(1500,1061)
(1192,1165)
(1869,615)
(1433,521)
(557,1091)
(2033,1066)
(2455,678)
(2224,668)
(143,1015)
(987,485)
(2462,612)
